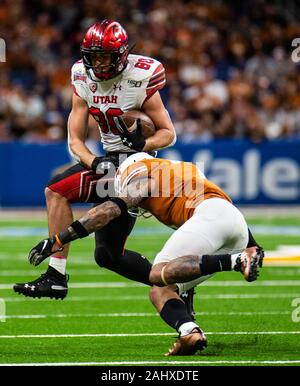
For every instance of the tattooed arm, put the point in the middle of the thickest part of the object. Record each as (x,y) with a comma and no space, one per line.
(99,216)
(96,218)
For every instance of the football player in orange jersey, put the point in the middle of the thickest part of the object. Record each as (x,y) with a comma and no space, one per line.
(211,236)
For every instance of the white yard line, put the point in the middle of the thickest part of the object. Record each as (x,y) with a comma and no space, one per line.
(295,272)
(199,362)
(145,297)
(50,336)
(92,285)
(73,272)
(226,283)
(141,314)
(79,298)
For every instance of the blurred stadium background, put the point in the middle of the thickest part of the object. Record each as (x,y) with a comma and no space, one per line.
(233,93)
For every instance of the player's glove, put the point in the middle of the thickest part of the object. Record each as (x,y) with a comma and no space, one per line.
(133,139)
(41,251)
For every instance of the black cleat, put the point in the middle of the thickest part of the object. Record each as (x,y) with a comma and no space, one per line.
(50,284)
(188,298)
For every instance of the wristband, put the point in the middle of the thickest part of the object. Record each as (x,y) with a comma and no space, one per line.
(79,229)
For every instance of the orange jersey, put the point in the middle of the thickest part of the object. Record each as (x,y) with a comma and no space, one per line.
(175,188)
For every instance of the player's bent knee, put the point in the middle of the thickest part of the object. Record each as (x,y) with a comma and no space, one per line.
(160,295)
(102,257)
(53,196)
(154,276)
(154,293)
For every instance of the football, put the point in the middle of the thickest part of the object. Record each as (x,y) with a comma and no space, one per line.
(148,127)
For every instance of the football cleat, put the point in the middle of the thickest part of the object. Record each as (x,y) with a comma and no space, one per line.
(50,284)
(188,298)
(189,344)
(249,261)
(42,250)
(261,255)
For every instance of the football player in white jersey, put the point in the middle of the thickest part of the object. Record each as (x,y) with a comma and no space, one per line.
(107,82)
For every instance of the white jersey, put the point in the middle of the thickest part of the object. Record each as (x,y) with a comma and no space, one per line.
(142,77)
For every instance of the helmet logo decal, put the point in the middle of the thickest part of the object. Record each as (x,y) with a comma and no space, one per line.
(118,32)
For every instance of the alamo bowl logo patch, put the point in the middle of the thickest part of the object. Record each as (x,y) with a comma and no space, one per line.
(80,77)
(93,87)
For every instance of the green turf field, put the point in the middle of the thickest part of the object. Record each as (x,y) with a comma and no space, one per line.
(109,320)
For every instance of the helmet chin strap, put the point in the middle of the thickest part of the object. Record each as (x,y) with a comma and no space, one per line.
(131,48)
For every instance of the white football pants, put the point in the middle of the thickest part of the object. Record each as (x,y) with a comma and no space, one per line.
(216,227)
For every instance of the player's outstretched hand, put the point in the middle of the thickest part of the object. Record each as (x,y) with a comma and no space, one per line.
(133,138)
(41,251)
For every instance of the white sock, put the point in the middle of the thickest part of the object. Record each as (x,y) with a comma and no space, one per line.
(59,264)
(234,258)
(187,328)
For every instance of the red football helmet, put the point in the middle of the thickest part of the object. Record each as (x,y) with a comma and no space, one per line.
(105,50)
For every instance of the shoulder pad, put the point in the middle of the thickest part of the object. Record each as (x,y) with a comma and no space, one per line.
(141,68)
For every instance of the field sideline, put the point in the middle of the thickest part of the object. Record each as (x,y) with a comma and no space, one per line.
(108,320)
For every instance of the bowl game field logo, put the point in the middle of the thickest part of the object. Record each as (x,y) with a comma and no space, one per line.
(296,312)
